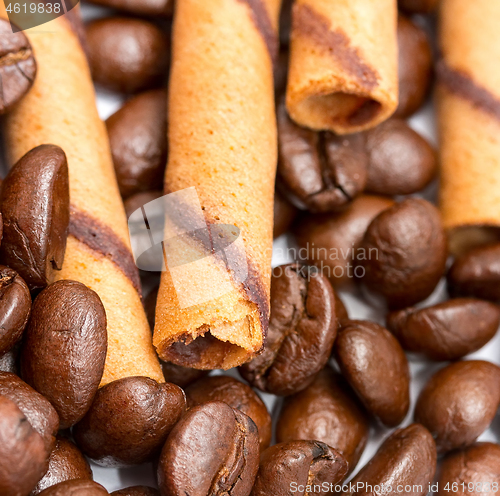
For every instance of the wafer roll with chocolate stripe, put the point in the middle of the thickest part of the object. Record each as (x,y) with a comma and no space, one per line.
(61,109)
(468,103)
(343,64)
(213,312)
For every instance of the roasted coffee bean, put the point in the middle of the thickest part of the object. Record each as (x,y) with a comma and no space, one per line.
(138,139)
(477,273)
(319,172)
(400,160)
(406,251)
(472,471)
(35,209)
(64,348)
(332,241)
(138,200)
(23,454)
(136,491)
(15,307)
(129,421)
(214,449)
(417,6)
(414,66)
(235,394)
(448,330)
(127,55)
(299,463)
(302,329)
(66,462)
(182,376)
(329,412)
(37,409)
(17,66)
(152,8)
(76,488)
(374,364)
(459,402)
(284,214)
(406,460)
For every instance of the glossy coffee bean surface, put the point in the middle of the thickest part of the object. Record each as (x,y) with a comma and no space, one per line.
(302,329)
(48,355)
(214,449)
(459,402)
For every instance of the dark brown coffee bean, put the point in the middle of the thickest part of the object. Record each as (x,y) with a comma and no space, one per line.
(15,307)
(138,200)
(235,394)
(136,491)
(138,139)
(332,241)
(374,364)
(66,462)
(284,215)
(214,449)
(414,66)
(127,55)
(182,376)
(23,454)
(76,488)
(329,412)
(17,66)
(296,465)
(302,329)
(319,172)
(35,209)
(406,251)
(37,409)
(472,471)
(406,462)
(417,6)
(400,160)
(477,273)
(448,330)
(153,8)
(64,348)
(459,402)
(129,421)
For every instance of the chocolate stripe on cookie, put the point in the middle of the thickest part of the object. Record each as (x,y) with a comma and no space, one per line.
(264,26)
(310,24)
(462,84)
(103,240)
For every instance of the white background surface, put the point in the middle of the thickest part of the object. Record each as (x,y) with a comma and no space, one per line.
(356,304)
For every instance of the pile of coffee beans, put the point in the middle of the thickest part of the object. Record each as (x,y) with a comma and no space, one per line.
(343,202)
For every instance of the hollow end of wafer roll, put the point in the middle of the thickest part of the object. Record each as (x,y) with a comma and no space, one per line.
(207,318)
(340,111)
(204,351)
(343,64)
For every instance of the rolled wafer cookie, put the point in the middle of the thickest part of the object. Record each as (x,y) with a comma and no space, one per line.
(343,64)
(468,104)
(213,312)
(61,110)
